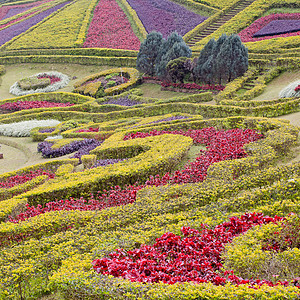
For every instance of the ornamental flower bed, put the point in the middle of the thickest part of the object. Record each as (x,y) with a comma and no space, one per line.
(279,27)
(24,128)
(84,147)
(110,28)
(220,145)
(55,80)
(292,90)
(165,16)
(23,105)
(193,86)
(194,257)
(123,101)
(19,179)
(14,30)
(8,11)
(282,27)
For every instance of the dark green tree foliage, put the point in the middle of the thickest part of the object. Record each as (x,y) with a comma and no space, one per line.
(148,53)
(177,69)
(222,60)
(203,58)
(172,48)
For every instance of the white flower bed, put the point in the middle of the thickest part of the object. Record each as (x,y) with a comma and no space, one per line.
(64,80)
(289,91)
(23,128)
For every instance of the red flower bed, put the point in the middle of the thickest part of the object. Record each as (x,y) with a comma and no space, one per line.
(297,88)
(194,86)
(19,179)
(110,28)
(246,35)
(53,78)
(21,105)
(220,145)
(91,129)
(194,257)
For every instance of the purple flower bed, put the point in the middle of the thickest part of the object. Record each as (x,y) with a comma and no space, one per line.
(279,27)
(8,33)
(165,16)
(46,130)
(249,33)
(84,150)
(9,11)
(124,101)
(105,162)
(170,119)
(84,146)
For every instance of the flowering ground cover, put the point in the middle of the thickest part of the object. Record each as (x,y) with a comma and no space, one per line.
(19,179)
(8,11)
(165,16)
(272,26)
(14,30)
(194,86)
(110,28)
(21,105)
(52,81)
(279,27)
(221,145)
(82,146)
(23,128)
(194,257)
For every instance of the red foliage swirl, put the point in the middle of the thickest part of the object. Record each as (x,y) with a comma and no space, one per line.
(220,145)
(194,257)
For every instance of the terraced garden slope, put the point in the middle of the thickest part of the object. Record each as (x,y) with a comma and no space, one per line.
(115,184)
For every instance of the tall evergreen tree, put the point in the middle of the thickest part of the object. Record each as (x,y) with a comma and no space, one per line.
(148,53)
(174,47)
(240,57)
(203,58)
(222,60)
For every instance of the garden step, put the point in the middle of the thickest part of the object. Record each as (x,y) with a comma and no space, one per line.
(217,24)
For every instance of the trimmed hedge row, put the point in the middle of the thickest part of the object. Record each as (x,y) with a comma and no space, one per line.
(15,205)
(205,110)
(157,155)
(72,59)
(92,88)
(102,52)
(245,18)
(66,256)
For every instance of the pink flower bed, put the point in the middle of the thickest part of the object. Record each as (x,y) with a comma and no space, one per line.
(21,105)
(220,145)
(246,35)
(110,28)
(297,88)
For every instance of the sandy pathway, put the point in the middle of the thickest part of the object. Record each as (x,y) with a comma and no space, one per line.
(20,152)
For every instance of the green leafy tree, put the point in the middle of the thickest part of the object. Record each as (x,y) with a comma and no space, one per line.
(177,69)
(148,52)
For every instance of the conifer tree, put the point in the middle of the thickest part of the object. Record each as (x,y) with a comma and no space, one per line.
(174,47)
(203,58)
(148,53)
